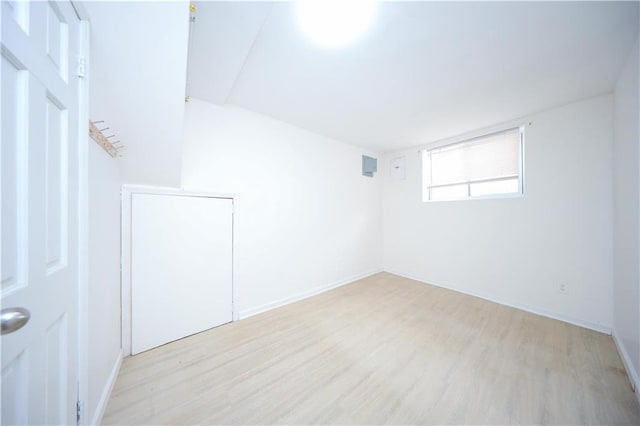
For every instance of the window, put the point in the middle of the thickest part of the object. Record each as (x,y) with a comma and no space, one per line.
(485,167)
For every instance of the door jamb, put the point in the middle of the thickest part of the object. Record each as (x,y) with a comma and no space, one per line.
(83,216)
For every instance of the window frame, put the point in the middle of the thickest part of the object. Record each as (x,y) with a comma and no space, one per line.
(426,189)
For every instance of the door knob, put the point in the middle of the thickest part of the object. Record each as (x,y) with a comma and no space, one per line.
(13,319)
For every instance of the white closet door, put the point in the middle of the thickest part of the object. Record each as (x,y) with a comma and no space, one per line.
(181,267)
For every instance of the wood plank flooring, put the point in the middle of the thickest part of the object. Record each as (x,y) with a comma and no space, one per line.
(384,349)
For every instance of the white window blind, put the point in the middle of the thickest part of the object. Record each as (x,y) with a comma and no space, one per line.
(481,167)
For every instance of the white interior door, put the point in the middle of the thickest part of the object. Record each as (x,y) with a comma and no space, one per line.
(181,267)
(40,98)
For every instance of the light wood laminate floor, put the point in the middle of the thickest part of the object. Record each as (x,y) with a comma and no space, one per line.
(384,349)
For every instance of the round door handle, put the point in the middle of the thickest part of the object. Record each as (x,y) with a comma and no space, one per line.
(13,319)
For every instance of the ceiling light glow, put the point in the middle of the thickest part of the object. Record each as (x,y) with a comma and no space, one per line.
(333,23)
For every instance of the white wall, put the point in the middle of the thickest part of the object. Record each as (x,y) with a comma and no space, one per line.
(306,218)
(138,75)
(518,250)
(106,102)
(626,289)
(104,276)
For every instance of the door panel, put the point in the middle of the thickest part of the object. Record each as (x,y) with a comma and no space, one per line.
(40,136)
(57,39)
(18,10)
(13,177)
(56,178)
(15,383)
(57,371)
(181,267)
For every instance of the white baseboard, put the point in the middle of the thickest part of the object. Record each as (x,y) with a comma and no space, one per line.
(106,392)
(585,324)
(277,303)
(628,365)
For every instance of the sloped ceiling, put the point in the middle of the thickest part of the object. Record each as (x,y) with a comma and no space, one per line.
(424,71)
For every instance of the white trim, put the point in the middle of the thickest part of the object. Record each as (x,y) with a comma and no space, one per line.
(125,271)
(106,392)
(234,267)
(162,190)
(472,140)
(81,10)
(471,182)
(125,254)
(521,122)
(560,317)
(522,162)
(83,221)
(480,197)
(305,294)
(634,379)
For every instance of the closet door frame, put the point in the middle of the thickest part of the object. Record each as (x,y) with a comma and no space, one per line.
(125,254)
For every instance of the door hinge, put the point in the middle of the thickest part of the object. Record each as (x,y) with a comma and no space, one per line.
(81,67)
(78,412)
